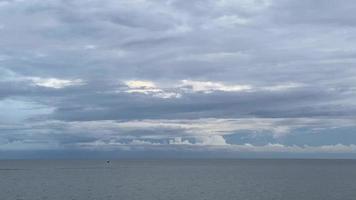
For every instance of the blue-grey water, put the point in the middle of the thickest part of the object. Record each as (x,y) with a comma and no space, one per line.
(178,179)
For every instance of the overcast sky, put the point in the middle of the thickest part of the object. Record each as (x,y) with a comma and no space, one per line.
(171,76)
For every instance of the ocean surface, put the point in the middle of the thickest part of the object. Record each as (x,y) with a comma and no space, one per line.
(178,179)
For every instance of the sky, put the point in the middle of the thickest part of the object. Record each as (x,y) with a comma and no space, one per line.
(177,78)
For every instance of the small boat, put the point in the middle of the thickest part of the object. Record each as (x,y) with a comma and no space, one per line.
(108,161)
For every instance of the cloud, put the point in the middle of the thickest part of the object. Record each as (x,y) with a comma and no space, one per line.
(283,86)
(150,88)
(212,140)
(179,141)
(170,72)
(201,86)
(217,147)
(140,84)
(206,132)
(191,86)
(338,148)
(54,82)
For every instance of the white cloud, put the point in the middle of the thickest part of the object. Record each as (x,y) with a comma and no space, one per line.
(149,88)
(140,86)
(281,87)
(208,86)
(55,83)
(203,134)
(192,86)
(338,148)
(211,140)
(142,142)
(218,145)
(179,141)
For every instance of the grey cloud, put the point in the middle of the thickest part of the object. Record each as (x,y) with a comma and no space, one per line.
(306,102)
(316,12)
(105,43)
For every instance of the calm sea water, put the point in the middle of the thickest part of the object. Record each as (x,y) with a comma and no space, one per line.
(178,179)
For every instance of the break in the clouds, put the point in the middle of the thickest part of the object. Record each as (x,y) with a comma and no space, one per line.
(275,76)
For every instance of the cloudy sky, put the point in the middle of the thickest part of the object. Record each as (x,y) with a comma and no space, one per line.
(171,76)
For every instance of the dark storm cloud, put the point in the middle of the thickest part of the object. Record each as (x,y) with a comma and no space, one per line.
(69,61)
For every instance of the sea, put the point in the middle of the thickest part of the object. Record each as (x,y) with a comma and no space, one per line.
(169,179)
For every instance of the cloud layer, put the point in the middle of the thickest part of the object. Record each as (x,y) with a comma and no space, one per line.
(260,76)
